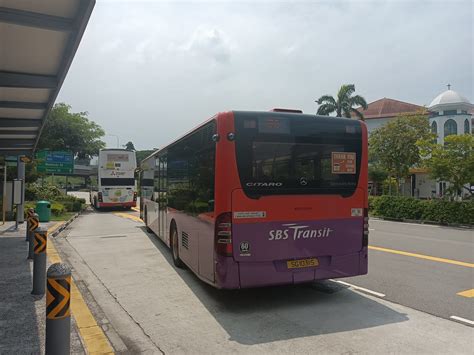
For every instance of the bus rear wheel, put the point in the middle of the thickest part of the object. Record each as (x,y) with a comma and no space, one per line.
(175,247)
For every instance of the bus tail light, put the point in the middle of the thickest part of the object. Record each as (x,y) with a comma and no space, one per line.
(99,196)
(365,237)
(223,234)
(135,196)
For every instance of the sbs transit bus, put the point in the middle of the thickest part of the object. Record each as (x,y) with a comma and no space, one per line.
(115,179)
(251,199)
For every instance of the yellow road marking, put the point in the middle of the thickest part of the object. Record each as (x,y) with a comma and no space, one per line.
(136,209)
(467,293)
(55,227)
(92,334)
(51,251)
(129,216)
(421,256)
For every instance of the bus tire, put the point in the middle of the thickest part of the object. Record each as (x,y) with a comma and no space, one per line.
(175,246)
(146,222)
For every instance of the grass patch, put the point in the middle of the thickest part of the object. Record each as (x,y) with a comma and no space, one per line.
(62,217)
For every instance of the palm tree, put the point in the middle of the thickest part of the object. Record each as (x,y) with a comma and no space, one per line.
(344,105)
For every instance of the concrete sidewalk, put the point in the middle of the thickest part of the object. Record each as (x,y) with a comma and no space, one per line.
(22,315)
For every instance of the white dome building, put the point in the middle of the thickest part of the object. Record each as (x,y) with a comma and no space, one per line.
(450,114)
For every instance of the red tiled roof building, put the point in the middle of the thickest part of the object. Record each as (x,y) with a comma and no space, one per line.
(381,111)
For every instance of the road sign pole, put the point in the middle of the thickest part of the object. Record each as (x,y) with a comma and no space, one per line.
(21,176)
(4,203)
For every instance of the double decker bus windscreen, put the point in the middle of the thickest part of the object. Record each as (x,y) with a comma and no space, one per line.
(297,154)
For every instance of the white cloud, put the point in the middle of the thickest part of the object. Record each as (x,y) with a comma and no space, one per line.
(209,43)
(149,71)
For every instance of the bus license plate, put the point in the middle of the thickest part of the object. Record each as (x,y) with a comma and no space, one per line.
(297,264)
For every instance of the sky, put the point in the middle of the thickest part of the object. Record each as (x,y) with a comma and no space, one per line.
(149,71)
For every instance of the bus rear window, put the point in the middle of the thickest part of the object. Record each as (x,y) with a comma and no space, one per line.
(117,182)
(298,155)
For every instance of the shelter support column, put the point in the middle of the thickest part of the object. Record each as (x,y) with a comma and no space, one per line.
(21,175)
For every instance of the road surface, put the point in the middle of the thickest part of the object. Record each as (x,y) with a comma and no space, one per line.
(147,305)
(437,275)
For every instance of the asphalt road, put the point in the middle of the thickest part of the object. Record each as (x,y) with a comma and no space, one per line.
(145,304)
(427,284)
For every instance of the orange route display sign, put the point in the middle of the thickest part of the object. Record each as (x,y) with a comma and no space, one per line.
(343,163)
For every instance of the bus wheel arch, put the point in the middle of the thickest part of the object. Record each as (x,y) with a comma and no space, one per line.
(174,240)
(148,229)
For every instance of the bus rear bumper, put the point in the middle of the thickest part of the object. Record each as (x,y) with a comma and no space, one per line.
(116,204)
(231,274)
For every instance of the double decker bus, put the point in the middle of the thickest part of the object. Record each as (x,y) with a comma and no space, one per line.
(252,199)
(115,180)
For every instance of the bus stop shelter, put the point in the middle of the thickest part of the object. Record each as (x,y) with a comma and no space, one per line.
(38,41)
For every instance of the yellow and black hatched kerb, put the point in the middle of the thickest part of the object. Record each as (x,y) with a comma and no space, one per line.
(58,298)
(40,243)
(34,223)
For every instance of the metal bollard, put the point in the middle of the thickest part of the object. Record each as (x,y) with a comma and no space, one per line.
(29,214)
(58,315)
(39,261)
(33,224)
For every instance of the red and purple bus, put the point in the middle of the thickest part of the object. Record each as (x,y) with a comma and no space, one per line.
(252,199)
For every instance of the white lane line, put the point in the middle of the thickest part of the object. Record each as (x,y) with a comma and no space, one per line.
(463,320)
(371,229)
(378,294)
(410,223)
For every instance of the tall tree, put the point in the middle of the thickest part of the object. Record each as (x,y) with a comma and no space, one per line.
(129,146)
(142,154)
(66,130)
(452,162)
(394,145)
(343,104)
(377,175)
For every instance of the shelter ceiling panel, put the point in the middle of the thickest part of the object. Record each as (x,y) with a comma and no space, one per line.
(16,143)
(20,113)
(24,94)
(3,135)
(31,50)
(63,8)
(16,130)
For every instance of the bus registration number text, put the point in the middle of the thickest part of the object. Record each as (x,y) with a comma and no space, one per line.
(296,264)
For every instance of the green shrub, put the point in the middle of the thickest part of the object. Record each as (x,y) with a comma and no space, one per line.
(57,209)
(36,192)
(72,206)
(69,198)
(439,211)
(28,205)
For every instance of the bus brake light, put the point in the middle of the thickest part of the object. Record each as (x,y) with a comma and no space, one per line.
(223,234)
(99,196)
(365,237)
(135,196)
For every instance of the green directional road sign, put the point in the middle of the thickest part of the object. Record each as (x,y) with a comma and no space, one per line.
(55,162)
